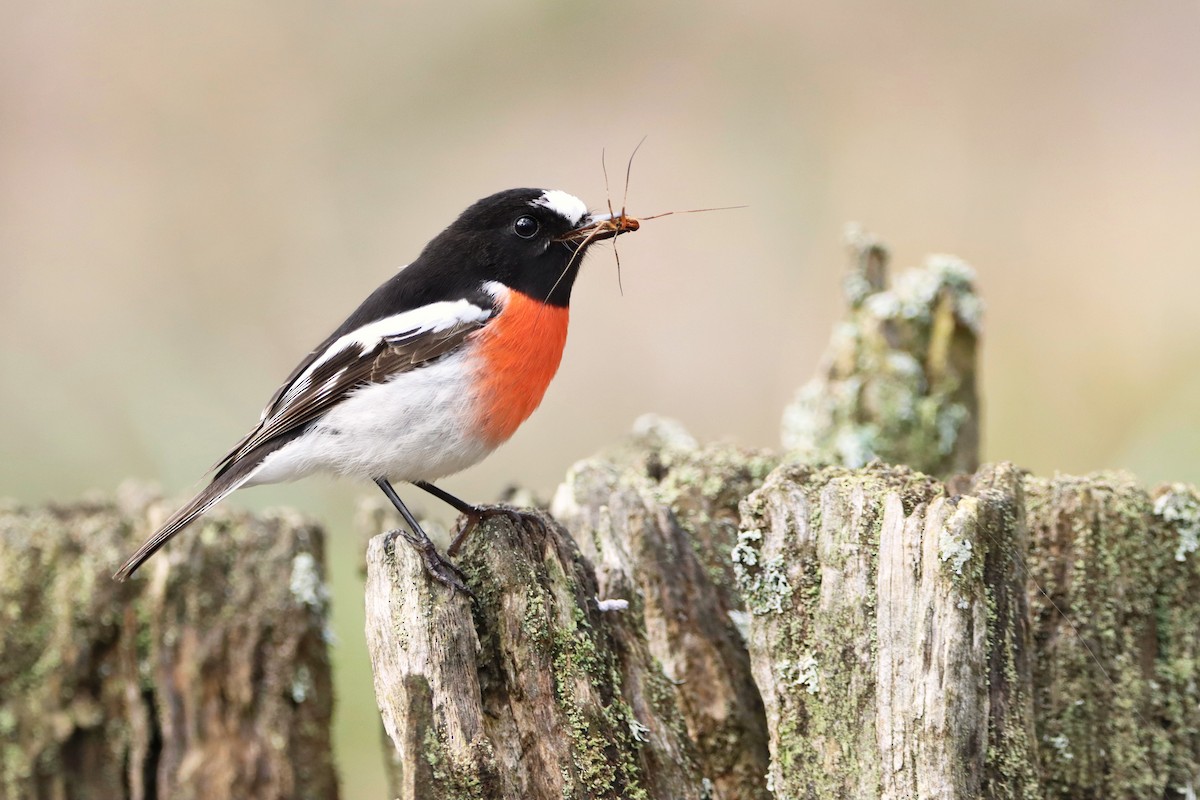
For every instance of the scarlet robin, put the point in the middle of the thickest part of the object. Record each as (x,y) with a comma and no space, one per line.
(437,367)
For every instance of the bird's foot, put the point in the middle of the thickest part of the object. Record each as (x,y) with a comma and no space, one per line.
(477,514)
(438,566)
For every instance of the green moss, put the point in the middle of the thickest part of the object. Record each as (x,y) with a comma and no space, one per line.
(454,779)
(661,693)
(1117,706)
(1012,755)
(536,623)
(604,745)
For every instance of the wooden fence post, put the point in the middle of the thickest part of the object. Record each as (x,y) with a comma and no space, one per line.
(207,676)
(702,622)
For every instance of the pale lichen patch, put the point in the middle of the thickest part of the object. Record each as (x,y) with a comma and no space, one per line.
(899,377)
(954,545)
(1180,506)
(801,672)
(305,582)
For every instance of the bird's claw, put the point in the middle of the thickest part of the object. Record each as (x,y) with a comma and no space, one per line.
(440,568)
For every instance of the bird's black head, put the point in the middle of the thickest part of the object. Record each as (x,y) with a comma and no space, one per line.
(531,240)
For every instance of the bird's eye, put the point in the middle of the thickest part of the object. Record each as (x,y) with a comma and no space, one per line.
(526,227)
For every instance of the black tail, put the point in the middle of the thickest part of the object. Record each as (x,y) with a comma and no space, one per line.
(216,491)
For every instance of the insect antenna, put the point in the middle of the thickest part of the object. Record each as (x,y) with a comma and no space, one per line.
(624,200)
(628,171)
(608,200)
(690,211)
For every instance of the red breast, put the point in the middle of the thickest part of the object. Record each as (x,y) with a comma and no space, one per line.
(519,351)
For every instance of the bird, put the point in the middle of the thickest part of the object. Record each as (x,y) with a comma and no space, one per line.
(431,373)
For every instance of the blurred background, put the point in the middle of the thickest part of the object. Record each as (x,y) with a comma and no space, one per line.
(192,195)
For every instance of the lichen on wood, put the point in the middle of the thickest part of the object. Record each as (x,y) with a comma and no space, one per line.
(1116,620)
(530,691)
(874,635)
(898,381)
(206,676)
(657,517)
(711,623)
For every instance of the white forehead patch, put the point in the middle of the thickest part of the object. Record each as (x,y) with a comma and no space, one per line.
(567,206)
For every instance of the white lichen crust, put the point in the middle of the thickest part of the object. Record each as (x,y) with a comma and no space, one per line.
(898,382)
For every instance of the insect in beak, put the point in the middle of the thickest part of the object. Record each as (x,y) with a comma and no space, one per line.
(597,227)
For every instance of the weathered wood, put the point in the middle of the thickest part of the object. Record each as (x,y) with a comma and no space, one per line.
(207,676)
(532,691)
(423,650)
(898,380)
(713,625)
(1012,757)
(875,635)
(658,519)
(1116,625)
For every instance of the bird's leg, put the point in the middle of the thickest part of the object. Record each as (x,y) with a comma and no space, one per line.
(477,514)
(435,564)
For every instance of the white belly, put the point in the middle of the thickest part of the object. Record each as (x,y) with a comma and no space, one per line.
(418,426)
